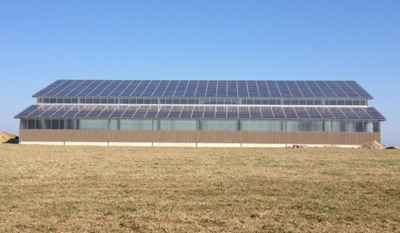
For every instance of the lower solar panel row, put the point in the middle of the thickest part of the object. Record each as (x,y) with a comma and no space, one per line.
(143,111)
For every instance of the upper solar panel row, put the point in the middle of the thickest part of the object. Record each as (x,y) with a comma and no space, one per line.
(205,88)
(199,112)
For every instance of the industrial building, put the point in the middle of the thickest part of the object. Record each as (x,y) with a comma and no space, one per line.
(237,113)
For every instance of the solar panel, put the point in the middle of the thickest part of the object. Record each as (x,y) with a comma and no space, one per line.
(255,112)
(263,89)
(90,87)
(244,112)
(209,112)
(66,88)
(242,89)
(290,113)
(140,88)
(315,89)
(326,90)
(347,90)
(349,113)
(313,113)
(159,91)
(232,89)
(72,111)
(304,89)
(181,89)
(222,89)
(59,88)
(129,112)
(110,88)
(302,113)
(100,88)
(171,89)
(336,89)
(141,112)
(151,87)
(119,88)
(62,110)
(232,112)
(152,112)
(198,112)
(325,112)
(118,111)
(175,112)
(284,90)
(253,89)
(358,89)
(212,89)
(50,87)
(95,111)
(163,112)
(221,112)
(294,89)
(84,111)
(266,112)
(27,111)
(273,89)
(337,113)
(186,112)
(75,91)
(105,111)
(361,113)
(278,112)
(375,114)
(191,88)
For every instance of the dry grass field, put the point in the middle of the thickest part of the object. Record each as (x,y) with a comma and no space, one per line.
(132,189)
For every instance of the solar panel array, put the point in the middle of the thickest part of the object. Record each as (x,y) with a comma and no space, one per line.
(205,88)
(200,112)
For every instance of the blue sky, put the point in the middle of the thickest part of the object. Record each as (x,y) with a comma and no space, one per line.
(42,41)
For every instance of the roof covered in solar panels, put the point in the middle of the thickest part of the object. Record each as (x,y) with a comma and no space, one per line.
(204,88)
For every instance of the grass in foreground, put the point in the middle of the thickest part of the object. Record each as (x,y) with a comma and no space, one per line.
(131,189)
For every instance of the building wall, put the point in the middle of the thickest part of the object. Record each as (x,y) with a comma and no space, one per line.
(347,138)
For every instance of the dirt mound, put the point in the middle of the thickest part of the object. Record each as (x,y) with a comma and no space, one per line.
(6,137)
(372,145)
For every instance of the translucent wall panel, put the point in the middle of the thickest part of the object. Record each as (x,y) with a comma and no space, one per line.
(335,126)
(261,125)
(327,126)
(350,126)
(219,125)
(178,125)
(136,124)
(72,124)
(376,126)
(84,124)
(114,124)
(369,128)
(43,123)
(93,124)
(23,124)
(318,126)
(208,125)
(292,126)
(126,124)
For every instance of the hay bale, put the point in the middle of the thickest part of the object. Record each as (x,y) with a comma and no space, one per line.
(372,145)
(6,137)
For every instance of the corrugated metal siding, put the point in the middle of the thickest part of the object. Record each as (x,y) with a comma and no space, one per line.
(198,136)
